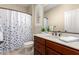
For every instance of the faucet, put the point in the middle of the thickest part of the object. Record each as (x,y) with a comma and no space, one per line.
(56,33)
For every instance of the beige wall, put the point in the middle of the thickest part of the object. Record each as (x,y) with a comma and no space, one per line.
(56,15)
(16,7)
(29,9)
(37,13)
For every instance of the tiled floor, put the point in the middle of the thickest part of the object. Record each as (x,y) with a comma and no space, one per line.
(21,51)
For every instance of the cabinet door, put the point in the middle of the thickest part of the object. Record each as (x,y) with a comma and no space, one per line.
(39,45)
(39,40)
(61,48)
(36,52)
(51,52)
(40,48)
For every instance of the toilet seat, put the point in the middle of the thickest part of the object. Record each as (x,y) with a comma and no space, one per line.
(28,44)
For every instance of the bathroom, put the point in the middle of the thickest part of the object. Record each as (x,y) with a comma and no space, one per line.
(28,29)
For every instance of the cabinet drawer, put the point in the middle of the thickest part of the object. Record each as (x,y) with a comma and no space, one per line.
(51,52)
(40,40)
(40,48)
(61,48)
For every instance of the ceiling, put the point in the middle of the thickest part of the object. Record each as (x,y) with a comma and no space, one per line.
(23,5)
(46,6)
(49,6)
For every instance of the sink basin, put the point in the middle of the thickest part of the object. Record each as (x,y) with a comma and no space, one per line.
(69,39)
(47,34)
(63,38)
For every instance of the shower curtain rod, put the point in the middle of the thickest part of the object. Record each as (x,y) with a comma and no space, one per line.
(15,10)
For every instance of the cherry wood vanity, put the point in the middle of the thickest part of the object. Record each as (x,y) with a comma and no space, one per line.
(46,47)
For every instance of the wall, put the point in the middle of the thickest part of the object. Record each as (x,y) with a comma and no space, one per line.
(29,9)
(56,15)
(15,7)
(37,13)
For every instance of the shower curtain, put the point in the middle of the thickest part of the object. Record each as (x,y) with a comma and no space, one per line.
(17,28)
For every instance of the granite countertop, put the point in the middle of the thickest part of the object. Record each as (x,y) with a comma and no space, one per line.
(56,39)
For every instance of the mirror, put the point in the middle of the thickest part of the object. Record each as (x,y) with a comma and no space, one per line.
(63,20)
(71,21)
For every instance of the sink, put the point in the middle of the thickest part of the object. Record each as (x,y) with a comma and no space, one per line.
(69,39)
(50,36)
(47,34)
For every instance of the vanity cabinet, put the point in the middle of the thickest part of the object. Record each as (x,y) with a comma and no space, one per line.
(46,47)
(39,46)
(61,49)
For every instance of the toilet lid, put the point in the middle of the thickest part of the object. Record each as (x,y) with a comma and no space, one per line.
(28,43)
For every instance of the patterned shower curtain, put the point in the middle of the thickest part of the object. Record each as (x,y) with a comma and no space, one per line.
(17,28)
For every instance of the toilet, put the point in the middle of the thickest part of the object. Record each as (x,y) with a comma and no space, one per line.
(28,46)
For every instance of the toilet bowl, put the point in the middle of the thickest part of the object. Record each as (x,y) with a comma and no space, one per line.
(28,46)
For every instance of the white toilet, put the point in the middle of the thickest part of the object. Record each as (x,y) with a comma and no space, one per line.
(28,47)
